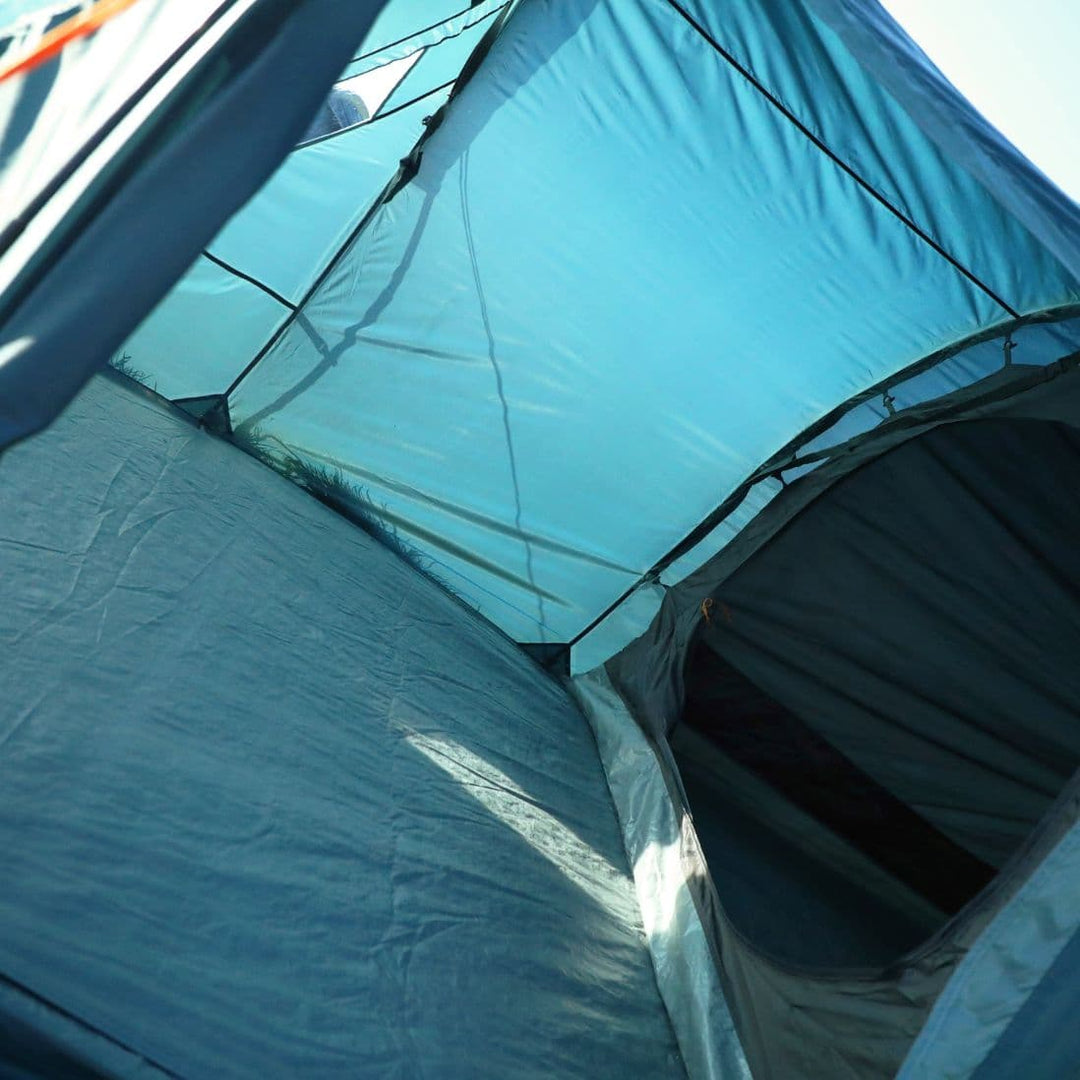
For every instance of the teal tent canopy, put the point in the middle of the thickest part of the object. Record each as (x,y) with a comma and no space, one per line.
(708,372)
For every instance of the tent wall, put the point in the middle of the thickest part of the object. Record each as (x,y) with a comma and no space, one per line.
(728,206)
(790,885)
(246,286)
(649,671)
(899,663)
(603,296)
(130,149)
(905,73)
(749,1012)
(1042,1039)
(1006,1010)
(274,804)
(974,368)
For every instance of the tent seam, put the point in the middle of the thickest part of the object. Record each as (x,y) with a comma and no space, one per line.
(84,1025)
(408,168)
(839,161)
(784,458)
(261,285)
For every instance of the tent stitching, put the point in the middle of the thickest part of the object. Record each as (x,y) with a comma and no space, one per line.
(273,293)
(839,161)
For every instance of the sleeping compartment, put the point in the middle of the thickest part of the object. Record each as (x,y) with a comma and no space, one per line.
(883,701)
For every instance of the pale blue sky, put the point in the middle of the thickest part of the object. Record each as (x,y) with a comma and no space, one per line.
(1018,62)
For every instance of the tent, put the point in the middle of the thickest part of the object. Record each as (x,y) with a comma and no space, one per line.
(538,540)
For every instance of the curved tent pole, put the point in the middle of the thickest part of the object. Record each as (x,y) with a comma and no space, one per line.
(786,457)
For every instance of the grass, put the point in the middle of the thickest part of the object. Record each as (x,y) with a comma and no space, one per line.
(122,363)
(332,488)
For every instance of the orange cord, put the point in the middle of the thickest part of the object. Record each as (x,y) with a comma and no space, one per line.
(707,606)
(86,22)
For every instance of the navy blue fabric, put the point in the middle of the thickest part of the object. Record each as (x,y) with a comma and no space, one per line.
(921,617)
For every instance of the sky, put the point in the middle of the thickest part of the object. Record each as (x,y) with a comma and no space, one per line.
(1018,63)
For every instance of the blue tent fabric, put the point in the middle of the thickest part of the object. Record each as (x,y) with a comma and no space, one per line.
(54,331)
(731,161)
(342,176)
(1003,1011)
(884,50)
(1043,1040)
(959,990)
(270,253)
(574,306)
(252,823)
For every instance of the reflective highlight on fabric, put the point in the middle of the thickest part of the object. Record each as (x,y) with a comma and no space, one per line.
(653,833)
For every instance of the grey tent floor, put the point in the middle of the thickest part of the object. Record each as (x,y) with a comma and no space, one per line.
(273,803)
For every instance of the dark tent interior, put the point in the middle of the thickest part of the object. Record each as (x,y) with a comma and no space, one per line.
(882,705)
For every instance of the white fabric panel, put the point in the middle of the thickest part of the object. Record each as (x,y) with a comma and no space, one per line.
(653,834)
(128,49)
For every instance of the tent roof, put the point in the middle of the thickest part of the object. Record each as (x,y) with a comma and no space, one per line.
(642,250)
